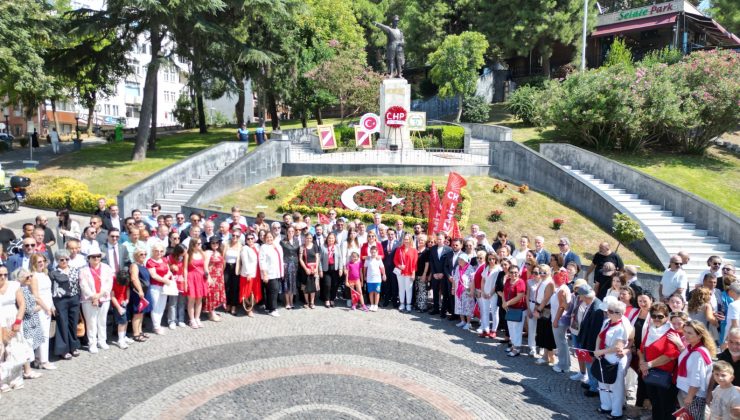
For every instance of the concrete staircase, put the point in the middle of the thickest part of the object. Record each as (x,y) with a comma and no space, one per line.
(673,233)
(173,201)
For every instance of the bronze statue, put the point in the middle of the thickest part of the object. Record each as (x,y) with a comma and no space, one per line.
(393,48)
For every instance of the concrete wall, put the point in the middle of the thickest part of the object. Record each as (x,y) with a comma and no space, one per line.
(262,163)
(143,193)
(519,164)
(719,222)
(488,132)
(327,169)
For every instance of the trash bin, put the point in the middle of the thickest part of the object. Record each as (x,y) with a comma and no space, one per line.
(259,135)
(77,144)
(119,132)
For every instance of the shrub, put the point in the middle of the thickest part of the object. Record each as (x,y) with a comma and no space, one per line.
(626,230)
(61,192)
(557,223)
(498,188)
(345,135)
(447,136)
(523,103)
(511,201)
(523,188)
(666,55)
(475,109)
(496,216)
(618,55)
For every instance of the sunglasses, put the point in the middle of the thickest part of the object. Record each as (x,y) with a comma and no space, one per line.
(115,236)
(657,316)
(716,263)
(3,274)
(29,245)
(726,269)
(63,259)
(536,273)
(95,256)
(613,312)
(513,272)
(677,263)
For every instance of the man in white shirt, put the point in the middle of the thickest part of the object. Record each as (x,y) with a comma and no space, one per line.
(733,311)
(161,238)
(194,233)
(714,263)
(236,217)
(674,280)
(339,230)
(151,220)
(76,260)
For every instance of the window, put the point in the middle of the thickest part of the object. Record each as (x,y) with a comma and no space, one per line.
(169,96)
(132,111)
(133,89)
(170,74)
(114,110)
(106,109)
(134,67)
(17,110)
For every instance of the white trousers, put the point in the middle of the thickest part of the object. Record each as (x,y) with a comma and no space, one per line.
(159,303)
(55,146)
(612,396)
(405,287)
(531,333)
(515,332)
(42,353)
(96,318)
(488,309)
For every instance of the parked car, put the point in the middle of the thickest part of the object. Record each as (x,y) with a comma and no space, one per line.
(7,139)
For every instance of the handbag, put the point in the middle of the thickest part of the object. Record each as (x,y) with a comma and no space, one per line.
(515,315)
(170,289)
(81,326)
(658,378)
(603,371)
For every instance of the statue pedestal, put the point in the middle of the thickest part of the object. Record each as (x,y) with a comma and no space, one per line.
(394,92)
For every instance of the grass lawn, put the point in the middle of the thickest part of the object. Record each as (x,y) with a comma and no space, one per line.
(107,169)
(714,177)
(532,216)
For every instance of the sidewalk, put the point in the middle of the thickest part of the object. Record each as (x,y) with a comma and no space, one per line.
(12,161)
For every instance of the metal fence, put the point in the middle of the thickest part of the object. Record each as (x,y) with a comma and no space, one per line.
(436,108)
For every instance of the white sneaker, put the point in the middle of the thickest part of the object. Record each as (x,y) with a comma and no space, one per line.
(172,326)
(349,303)
(585,378)
(103,346)
(400,308)
(479,331)
(274,313)
(94,349)
(129,340)
(122,344)
(182,324)
(460,324)
(576,376)
(375,308)
(540,361)
(532,352)
(408,308)
(466,326)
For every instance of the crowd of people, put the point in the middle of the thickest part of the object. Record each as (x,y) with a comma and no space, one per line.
(660,350)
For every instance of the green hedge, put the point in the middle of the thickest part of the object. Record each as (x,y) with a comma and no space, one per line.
(56,193)
(439,136)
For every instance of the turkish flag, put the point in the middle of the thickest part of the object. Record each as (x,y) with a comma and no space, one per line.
(323,219)
(584,356)
(433,216)
(455,184)
(214,216)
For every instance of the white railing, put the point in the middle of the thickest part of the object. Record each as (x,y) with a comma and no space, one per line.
(441,157)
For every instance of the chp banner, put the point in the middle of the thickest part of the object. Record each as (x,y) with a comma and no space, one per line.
(326,136)
(455,184)
(363,138)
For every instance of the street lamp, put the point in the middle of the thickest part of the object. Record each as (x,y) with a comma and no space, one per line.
(7,126)
(583,47)
(77,127)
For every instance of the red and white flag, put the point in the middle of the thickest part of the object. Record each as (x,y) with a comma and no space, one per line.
(455,184)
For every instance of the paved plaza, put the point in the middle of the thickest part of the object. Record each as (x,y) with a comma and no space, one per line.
(317,363)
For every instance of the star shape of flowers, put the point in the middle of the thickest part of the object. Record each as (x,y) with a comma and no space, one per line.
(395,200)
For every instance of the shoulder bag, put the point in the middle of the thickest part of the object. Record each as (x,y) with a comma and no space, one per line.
(658,378)
(514,315)
(603,371)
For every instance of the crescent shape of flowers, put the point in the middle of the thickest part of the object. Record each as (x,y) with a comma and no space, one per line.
(348,198)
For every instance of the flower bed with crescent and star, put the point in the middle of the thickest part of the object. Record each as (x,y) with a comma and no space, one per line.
(406,201)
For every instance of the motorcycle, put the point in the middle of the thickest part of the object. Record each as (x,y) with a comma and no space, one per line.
(12,197)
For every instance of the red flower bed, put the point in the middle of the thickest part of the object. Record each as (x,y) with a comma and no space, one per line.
(328,194)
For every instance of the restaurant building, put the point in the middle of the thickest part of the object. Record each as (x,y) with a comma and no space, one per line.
(676,24)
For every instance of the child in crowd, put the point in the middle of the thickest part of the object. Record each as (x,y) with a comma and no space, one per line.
(354,280)
(725,397)
(374,273)
(119,301)
(176,304)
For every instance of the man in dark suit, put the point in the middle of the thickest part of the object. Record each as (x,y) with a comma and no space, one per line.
(114,254)
(440,271)
(113,220)
(568,255)
(101,235)
(457,250)
(630,273)
(389,288)
(590,327)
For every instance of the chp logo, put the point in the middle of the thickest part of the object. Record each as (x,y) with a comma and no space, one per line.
(396,116)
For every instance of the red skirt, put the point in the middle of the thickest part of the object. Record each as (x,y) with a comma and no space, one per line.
(247,287)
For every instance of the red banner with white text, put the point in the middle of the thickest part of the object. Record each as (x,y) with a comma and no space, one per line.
(455,184)
(434,206)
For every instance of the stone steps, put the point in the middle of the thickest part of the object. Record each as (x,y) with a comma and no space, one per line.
(173,201)
(673,232)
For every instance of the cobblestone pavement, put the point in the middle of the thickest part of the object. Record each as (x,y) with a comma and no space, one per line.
(317,363)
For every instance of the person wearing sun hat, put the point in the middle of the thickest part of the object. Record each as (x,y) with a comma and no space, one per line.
(96,283)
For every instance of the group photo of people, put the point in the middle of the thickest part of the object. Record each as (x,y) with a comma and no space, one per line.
(666,349)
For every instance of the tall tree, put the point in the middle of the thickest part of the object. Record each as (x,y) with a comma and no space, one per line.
(727,13)
(455,65)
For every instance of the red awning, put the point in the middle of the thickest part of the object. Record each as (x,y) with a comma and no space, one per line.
(64,117)
(635,25)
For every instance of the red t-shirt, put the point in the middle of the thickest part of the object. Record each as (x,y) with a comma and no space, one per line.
(513,289)
(365,250)
(662,346)
(478,277)
(120,292)
(160,267)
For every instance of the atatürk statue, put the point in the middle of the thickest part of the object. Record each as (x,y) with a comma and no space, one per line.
(393,48)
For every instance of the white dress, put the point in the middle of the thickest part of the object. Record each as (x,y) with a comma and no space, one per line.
(8,310)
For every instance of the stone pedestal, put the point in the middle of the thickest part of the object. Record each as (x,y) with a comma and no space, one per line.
(394,92)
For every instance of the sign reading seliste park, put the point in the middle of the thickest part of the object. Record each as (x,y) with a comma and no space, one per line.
(641,12)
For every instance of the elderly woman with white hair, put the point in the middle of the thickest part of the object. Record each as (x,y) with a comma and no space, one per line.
(65,287)
(96,283)
(160,275)
(612,346)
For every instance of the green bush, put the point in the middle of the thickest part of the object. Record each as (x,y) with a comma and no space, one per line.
(523,103)
(475,109)
(62,192)
(666,55)
(532,81)
(618,55)
(345,135)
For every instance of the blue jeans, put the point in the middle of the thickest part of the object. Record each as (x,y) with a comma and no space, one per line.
(593,384)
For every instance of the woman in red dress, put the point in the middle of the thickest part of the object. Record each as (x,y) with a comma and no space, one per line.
(216,292)
(658,353)
(195,261)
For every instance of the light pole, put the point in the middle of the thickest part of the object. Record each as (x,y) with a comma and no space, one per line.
(7,124)
(583,47)
(77,127)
